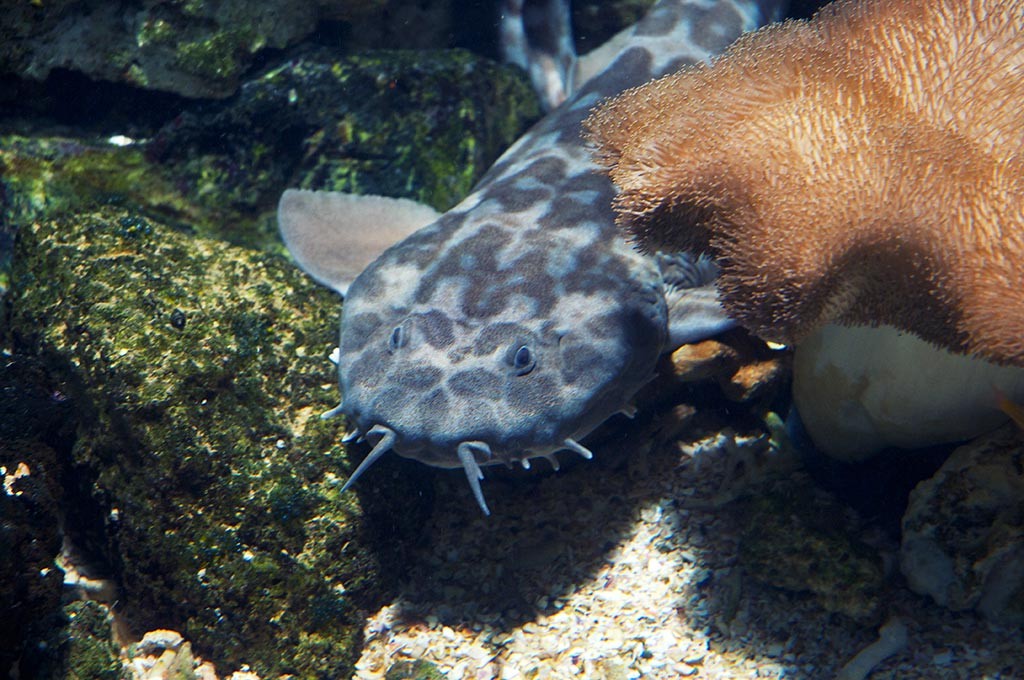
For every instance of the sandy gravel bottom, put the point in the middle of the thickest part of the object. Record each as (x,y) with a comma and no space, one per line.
(626,567)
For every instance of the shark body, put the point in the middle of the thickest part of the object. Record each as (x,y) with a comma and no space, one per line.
(515,323)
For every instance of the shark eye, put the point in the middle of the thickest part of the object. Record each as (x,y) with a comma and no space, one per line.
(398,338)
(521,359)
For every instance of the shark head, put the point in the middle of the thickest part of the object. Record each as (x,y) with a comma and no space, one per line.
(476,340)
(509,346)
(511,326)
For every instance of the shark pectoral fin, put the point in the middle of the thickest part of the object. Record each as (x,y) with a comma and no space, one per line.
(694,314)
(334,236)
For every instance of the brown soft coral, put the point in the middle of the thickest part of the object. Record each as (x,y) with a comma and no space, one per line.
(863,167)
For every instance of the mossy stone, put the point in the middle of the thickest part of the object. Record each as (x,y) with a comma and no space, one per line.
(88,650)
(199,372)
(800,539)
(417,669)
(420,125)
(417,125)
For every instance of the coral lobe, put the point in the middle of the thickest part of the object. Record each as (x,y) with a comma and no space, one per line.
(863,167)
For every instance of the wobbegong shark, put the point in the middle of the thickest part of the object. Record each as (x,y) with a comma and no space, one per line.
(514,324)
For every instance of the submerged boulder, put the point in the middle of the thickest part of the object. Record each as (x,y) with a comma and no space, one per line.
(420,125)
(198,373)
(198,48)
(801,539)
(963,532)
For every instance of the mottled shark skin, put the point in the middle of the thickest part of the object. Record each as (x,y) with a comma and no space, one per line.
(536,35)
(511,326)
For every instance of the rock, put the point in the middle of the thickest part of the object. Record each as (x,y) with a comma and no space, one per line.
(197,48)
(801,539)
(42,175)
(161,654)
(420,125)
(36,430)
(155,642)
(87,645)
(198,373)
(759,379)
(418,669)
(703,360)
(746,369)
(30,584)
(963,532)
(358,124)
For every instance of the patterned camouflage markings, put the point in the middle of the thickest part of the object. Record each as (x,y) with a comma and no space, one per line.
(520,320)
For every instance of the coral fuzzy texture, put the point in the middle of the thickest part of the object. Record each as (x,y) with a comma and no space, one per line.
(864,167)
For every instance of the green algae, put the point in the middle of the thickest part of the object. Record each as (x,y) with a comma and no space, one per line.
(421,126)
(800,539)
(451,115)
(417,669)
(88,651)
(193,7)
(215,57)
(155,31)
(200,370)
(57,173)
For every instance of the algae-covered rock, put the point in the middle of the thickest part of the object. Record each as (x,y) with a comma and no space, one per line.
(963,532)
(86,644)
(416,125)
(199,371)
(420,125)
(30,584)
(195,48)
(46,174)
(801,539)
(418,669)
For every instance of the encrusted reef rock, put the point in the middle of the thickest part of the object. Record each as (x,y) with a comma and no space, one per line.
(30,584)
(85,644)
(420,125)
(963,533)
(802,539)
(36,427)
(198,372)
(197,48)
